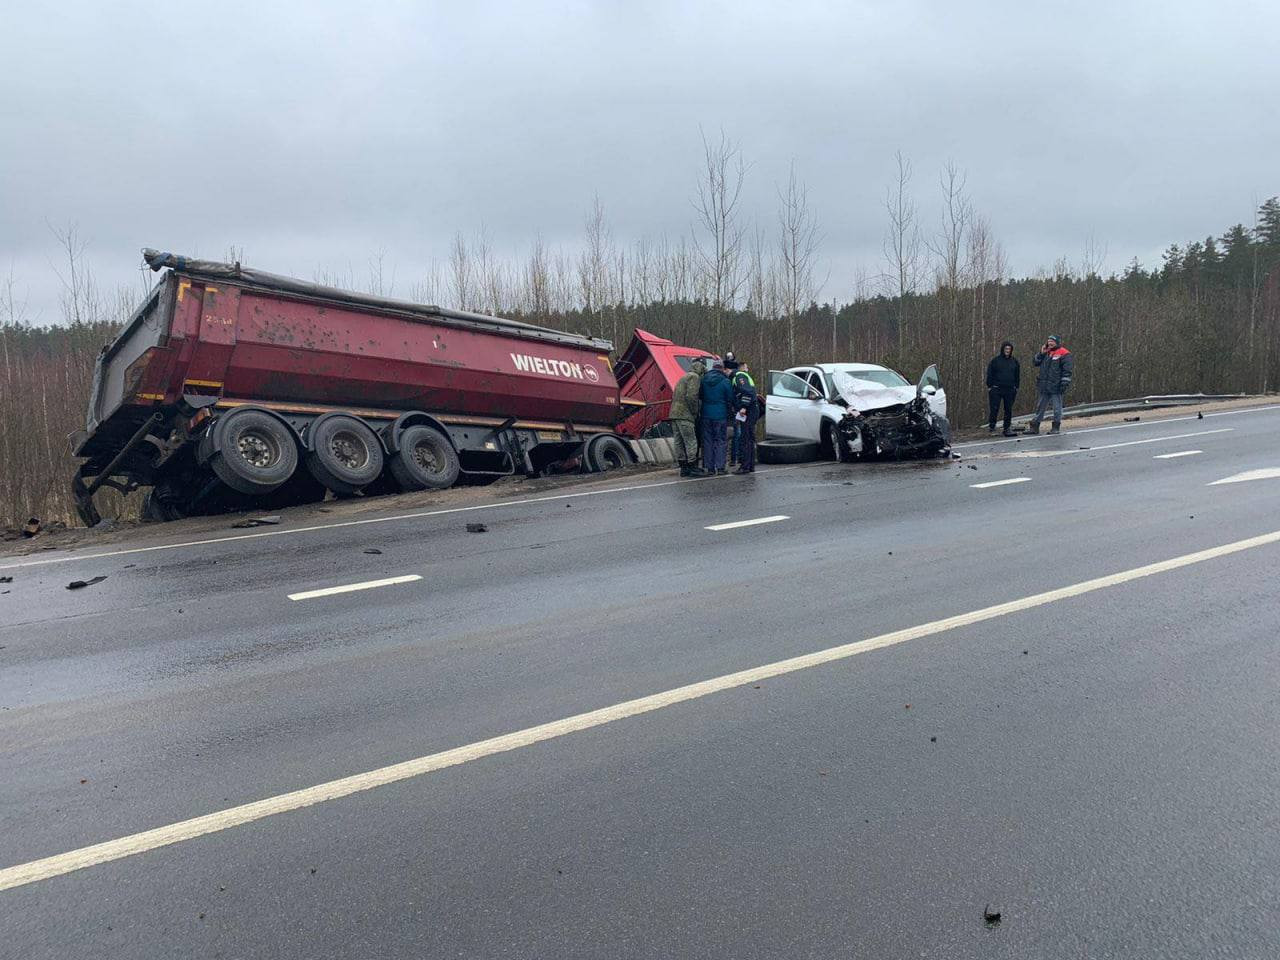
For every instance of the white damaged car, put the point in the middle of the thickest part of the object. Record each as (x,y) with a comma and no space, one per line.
(858,410)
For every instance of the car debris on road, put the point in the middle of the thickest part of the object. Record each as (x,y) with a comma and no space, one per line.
(255,522)
(81,584)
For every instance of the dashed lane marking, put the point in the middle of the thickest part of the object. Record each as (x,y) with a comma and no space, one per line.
(1000,483)
(353,587)
(746,523)
(1269,473)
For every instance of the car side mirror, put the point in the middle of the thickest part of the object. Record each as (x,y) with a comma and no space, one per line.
(930,390)
(815,396)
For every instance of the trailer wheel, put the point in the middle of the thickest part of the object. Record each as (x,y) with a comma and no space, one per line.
(345,454)
(426,460)
(608,453)
(252,451)
(788,451)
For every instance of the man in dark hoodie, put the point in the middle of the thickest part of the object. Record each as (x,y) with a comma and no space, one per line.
(1056,369)
(1004,375)
(717,407)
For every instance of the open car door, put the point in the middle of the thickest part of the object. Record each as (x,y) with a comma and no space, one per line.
(790,410)
(930,387)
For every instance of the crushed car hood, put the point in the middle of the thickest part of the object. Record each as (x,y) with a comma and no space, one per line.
(864,395)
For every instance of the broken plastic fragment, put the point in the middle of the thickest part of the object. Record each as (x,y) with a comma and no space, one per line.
(81,584)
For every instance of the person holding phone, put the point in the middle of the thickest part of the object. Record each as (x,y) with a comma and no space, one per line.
(1052,382)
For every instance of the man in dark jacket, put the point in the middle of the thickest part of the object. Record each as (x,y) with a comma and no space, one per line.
(1052,382)
(747,411)
(1004,375)
(717,407)
(686,405)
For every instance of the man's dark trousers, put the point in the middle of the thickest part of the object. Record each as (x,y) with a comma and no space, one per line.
(998,396)
(713,444)
(747,444)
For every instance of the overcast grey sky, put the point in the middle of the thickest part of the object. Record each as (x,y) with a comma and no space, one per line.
(315,134)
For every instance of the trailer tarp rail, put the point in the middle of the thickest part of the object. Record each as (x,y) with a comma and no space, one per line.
(234,272)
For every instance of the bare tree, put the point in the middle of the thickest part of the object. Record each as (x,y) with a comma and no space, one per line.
(797,244)
(902,244)
(718,196)
(594,266)
(460,274)
(949,244)
(1090,267)
(537,281)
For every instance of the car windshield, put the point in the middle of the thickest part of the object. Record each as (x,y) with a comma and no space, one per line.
(686,363)
(886,378)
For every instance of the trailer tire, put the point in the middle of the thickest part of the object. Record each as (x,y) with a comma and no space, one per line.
(788,451)
(608,453)
(345,454)
(426,460)
(252,451)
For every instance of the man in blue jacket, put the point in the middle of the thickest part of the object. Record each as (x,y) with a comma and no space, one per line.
(717,407)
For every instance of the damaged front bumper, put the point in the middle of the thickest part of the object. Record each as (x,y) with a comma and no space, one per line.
(903,431)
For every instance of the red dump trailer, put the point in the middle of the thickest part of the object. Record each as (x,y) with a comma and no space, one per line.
(230,387)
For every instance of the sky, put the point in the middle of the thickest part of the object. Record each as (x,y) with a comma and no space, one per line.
(314,136)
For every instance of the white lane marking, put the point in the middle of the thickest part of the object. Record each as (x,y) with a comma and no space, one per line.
(1110,446)
(353,587)
(1269,473)
(766,471)
(1000,483)
(1175,456)
(746,523)
(36,870)
(1115,426)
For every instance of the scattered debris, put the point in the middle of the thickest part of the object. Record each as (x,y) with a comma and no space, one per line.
(1199,414)
(6,579)
(908,706)
(933,739)
(1024,653)
(200,916)
(891,553)
(1132,419)
(32,527)
(972,466)
(84,781)
(755,686)
(477,527)
(1192,517)
(255,522)
(822,773)
(313,870)
(991,919)
(374,550)
(81,584)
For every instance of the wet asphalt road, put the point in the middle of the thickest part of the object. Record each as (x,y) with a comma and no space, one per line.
(1101,770)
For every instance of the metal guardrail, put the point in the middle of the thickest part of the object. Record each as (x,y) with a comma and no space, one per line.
(1139,403)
